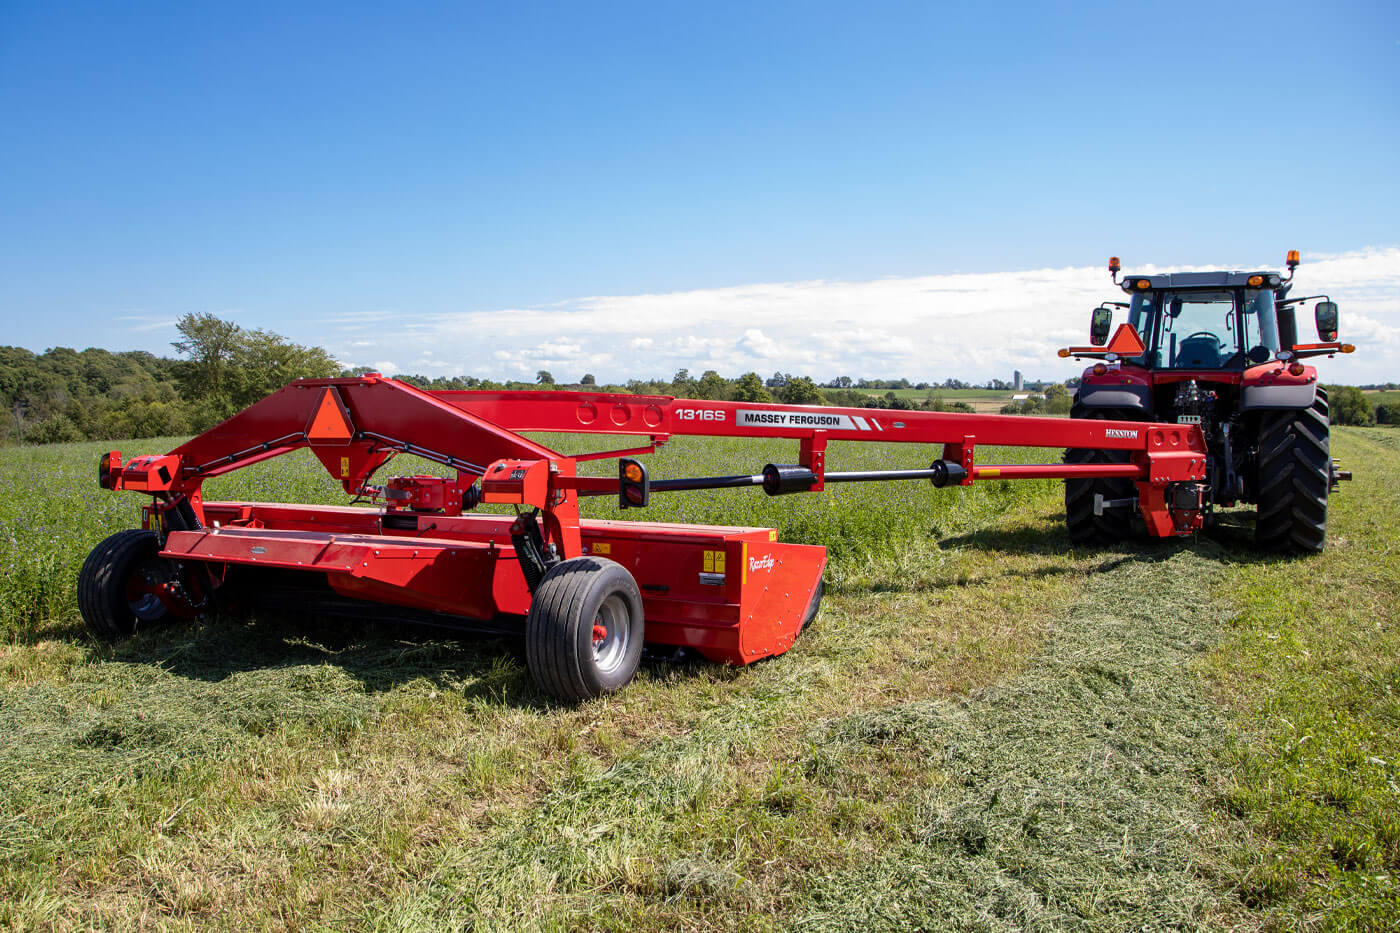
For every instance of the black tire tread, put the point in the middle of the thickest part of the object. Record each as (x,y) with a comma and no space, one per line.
(1294,478)
(102,582)
(1084,527)
(553,640)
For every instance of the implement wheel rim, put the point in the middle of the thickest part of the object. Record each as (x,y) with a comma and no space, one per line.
(612,633)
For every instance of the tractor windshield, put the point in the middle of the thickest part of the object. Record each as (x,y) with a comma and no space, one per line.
(1201,329)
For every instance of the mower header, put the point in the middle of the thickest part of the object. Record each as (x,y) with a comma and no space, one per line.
(578,590)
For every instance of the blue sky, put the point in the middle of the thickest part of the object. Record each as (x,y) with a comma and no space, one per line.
(492,189)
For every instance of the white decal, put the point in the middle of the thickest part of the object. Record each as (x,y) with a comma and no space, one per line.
(761,563)
(1120,433)
(797,419)
(699,414)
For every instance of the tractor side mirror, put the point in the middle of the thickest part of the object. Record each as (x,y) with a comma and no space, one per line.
(1174,308)
(1099,324)
(1326,315)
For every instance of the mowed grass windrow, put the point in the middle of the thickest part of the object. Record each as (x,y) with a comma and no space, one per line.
(983,729)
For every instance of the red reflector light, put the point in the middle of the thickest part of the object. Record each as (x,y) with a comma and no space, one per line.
(634,495)
(1296,368)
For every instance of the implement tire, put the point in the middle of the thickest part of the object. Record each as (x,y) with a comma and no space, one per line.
(583,636)
(114,585)
(1085,528)
(1295,475)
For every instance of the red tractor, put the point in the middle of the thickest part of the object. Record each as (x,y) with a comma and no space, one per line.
(1219,350)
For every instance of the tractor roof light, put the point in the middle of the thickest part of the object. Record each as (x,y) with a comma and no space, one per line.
(1293,259)
(1348,348)
(1142,285)
(1064,353)
(1255,281)
(1113,265)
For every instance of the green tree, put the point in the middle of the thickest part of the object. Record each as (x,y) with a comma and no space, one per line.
(1057,399)
(800,390)
(544,377)
(209,345)
(712,386)
(264,362)
(1349,405)
(54,430)
(588,380)
(749,388)
(682,385)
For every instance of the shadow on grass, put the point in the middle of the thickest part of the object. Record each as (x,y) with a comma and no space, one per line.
(1228,539)
(380,656)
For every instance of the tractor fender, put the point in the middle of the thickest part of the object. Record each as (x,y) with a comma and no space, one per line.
(1277,397)
(1132,397)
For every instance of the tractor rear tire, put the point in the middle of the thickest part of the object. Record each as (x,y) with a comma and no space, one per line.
(1295,475)
(114,585)
(583,636)
(1085,528)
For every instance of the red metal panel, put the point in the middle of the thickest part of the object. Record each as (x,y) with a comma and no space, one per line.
(747,606)
(664,416)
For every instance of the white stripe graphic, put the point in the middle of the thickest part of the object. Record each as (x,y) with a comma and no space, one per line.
(860,422)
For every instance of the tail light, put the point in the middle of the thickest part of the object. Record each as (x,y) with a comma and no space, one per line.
(108,468)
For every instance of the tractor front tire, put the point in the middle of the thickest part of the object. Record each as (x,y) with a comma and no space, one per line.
(583,636)
(115,584)
(1295,475)
(1085,528)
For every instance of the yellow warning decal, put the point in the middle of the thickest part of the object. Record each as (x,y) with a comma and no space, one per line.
(714,562)
(989,471)
(772,534)
(601,547)
(344,467)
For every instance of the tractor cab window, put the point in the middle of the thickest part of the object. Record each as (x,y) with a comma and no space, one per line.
(1197,330)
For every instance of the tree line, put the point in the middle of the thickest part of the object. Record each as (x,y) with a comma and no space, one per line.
(222,367)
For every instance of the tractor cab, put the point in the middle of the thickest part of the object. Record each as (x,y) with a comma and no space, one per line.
(1218,323)
(1207,322)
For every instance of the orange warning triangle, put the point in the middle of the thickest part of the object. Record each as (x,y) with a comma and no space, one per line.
(331,423)
(1126,342)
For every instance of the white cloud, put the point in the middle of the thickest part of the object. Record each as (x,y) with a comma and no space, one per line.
(968,326)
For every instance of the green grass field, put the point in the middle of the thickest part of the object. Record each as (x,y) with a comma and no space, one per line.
(965,395)
(1383,396)
(984,730)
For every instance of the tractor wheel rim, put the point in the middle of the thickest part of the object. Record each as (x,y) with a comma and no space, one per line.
(615,623)
(141,595)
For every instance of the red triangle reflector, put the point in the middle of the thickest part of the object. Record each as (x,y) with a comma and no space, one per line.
(331,423)
(1126,342)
